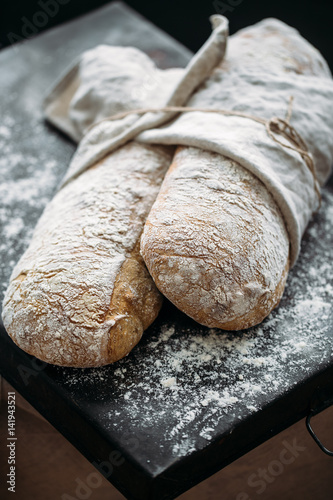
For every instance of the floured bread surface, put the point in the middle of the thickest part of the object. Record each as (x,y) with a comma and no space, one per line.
(81,294)
(215,242)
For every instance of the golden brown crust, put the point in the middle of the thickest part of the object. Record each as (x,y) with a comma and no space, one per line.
(263,307)
(136,302)
(215,241)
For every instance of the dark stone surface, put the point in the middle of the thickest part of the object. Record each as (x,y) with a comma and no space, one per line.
(188,400)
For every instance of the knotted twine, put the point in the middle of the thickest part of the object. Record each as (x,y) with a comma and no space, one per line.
(274,126)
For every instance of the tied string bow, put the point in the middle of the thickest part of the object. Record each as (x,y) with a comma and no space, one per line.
(280,126)
(275,126)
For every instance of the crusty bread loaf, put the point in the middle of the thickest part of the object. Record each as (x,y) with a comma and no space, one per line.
(215,241)
(81,294)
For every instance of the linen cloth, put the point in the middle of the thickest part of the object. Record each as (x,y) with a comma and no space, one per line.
(107,80)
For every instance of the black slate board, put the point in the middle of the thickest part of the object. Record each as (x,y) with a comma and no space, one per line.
(188,400)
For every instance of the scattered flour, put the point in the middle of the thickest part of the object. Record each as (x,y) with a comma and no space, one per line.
(28,181)
(5,132)
(183,384)
(169,382)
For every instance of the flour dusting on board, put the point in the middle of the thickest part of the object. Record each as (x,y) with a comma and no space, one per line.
(28,181)
(189,382)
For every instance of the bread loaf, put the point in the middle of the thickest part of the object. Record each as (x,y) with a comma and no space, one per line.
(81,295)
(215,241)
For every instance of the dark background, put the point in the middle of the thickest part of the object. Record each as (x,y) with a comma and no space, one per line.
(185,20)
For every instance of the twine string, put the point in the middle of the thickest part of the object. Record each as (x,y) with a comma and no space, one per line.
(274,126)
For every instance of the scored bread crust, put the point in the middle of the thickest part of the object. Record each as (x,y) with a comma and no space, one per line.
(81,295)
(215,241)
